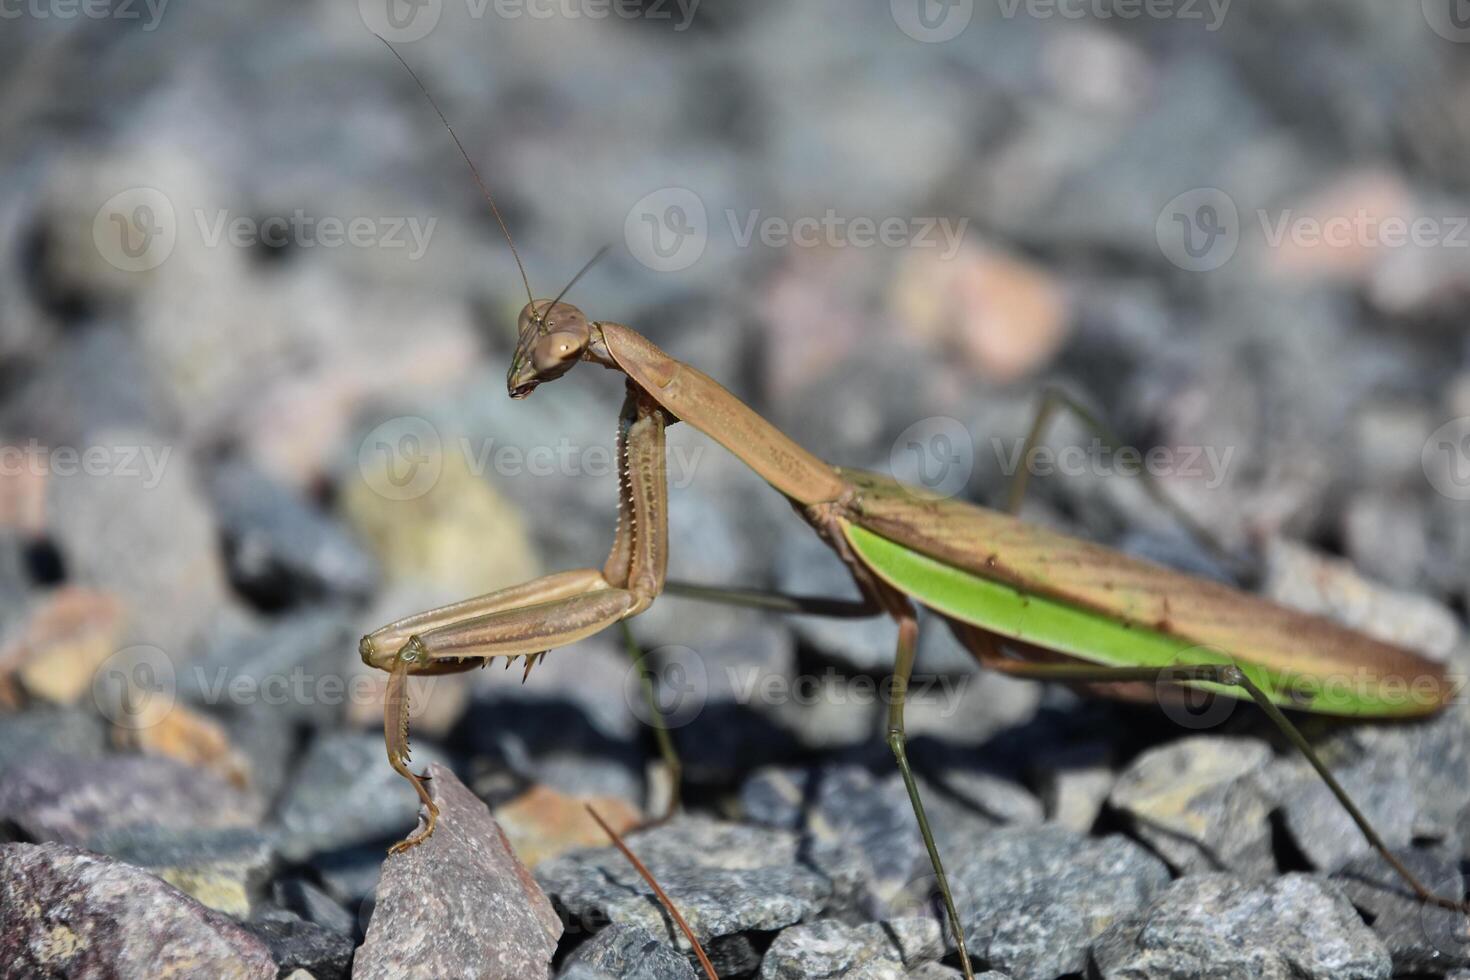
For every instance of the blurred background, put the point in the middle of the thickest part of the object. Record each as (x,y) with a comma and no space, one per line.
(255,320)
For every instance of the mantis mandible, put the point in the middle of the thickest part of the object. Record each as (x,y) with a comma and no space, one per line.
(1024,600)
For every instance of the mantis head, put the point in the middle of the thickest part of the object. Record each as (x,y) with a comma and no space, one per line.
(552,337)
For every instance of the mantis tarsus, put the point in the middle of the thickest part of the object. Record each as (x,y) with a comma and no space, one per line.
(1023,600)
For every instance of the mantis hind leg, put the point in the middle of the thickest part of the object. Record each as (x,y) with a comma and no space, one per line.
(1056,400)
(1224,674)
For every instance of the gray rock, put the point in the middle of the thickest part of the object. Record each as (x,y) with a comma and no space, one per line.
(1200,803)
(225,869)
(280,549)
(1304,579)
(459,903)
(291,667)
(622,952)
(296,944)
(1421,938)
(868,815)
(1217,927)
(1033,898)
(71,799)
(1074,783)
(97,379)
(1386,535)
(350,876)
(50,731)
(344,794)
(146,504)
(312,904)
(1411,780)
(726,879)
(829,948)
(65,912)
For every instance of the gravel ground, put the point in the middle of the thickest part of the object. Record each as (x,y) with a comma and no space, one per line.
(254,321)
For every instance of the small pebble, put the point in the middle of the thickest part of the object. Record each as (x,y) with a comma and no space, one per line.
(297,944)
(622,952)
(829,948)
(1216,925)
(1200,803)
(1421,938)
(1033,898)
(727,879)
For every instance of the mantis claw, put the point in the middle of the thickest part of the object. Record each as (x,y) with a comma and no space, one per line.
(395,730)
(412,840)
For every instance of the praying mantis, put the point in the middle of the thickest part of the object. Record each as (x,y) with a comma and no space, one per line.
(1024,600)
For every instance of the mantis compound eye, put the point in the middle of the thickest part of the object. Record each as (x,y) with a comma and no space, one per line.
(557,351)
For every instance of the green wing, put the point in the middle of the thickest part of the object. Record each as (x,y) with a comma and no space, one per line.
(1088,602)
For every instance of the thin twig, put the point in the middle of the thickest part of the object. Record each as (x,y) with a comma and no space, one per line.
(709,970)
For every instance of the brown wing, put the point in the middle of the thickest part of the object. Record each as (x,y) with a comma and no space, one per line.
(1042,562)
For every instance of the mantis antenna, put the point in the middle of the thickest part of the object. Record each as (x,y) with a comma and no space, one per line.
(484,191)
(590,263)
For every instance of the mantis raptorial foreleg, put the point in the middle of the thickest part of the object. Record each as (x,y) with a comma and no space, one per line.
(553,611)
